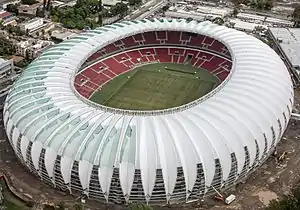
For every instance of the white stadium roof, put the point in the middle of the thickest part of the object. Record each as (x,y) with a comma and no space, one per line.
(43,111)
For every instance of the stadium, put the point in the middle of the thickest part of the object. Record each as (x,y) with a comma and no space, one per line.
(154,111)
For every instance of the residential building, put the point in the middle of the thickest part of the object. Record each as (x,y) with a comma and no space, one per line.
(245,26)
(32,48)
(7,18)
(4,3)
(110,3)
(32,25)
(62,36)
(197,12)
(28,10)
(265,20)
(7,77)
(6,66)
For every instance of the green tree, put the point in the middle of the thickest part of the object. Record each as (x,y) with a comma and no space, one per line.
(287,202)
(61,206)
(296,16)
(28,2)
(218,21)
(40,13)
(77,206)
(119,9)
(165,8)
(261,4)
(12,8)
(189,19)
(134,2)
(6,47)
(15,30)
(83,15)
(139,206)
(235,11)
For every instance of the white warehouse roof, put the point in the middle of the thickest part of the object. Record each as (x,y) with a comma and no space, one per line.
(289,41)
(49,125)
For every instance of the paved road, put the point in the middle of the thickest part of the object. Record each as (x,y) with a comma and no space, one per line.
(146,10)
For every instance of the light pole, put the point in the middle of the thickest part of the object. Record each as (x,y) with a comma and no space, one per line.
(100,13)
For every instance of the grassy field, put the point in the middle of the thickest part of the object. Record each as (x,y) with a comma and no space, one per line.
(156,86)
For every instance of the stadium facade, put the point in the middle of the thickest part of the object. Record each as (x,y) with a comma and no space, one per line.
(162,156)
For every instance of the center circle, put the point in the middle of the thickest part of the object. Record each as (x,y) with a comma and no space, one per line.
(152,76)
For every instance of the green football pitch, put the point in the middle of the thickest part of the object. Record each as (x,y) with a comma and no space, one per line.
(156,86)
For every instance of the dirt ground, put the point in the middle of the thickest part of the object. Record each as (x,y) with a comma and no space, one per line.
(269,182)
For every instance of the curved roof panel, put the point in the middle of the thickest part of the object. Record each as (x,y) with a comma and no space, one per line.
(242,120)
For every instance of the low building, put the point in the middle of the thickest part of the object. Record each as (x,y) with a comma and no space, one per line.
(28,10)
(7,77)
(32,48)
(57,4)
(110,3)
(32,25)
(186,10)
(265,20)
(7,18)
(245,26)
(4,3)
(184,14)
(214,11)
(6,67)
(286,42)
(250,17)
(62,36)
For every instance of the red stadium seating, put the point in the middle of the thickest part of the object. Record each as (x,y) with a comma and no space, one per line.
(176,51)
(150,38)
(117,67)
(129,42)
(138,37)
(111,48)
(94,76)
(198,62)
(173,37)
(84,91)
(208,41)
(80,78)
(119,43)
(204,56)
(216,46)
(161,35)
(185,36)
(163,55)
(148,51)
(134,55)
(175,58)
(109,73)
(122,57)
(196,41)
(91,85)
(212,64)
(90,73)
(222,75)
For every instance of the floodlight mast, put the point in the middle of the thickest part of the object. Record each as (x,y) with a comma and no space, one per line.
(100,18)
